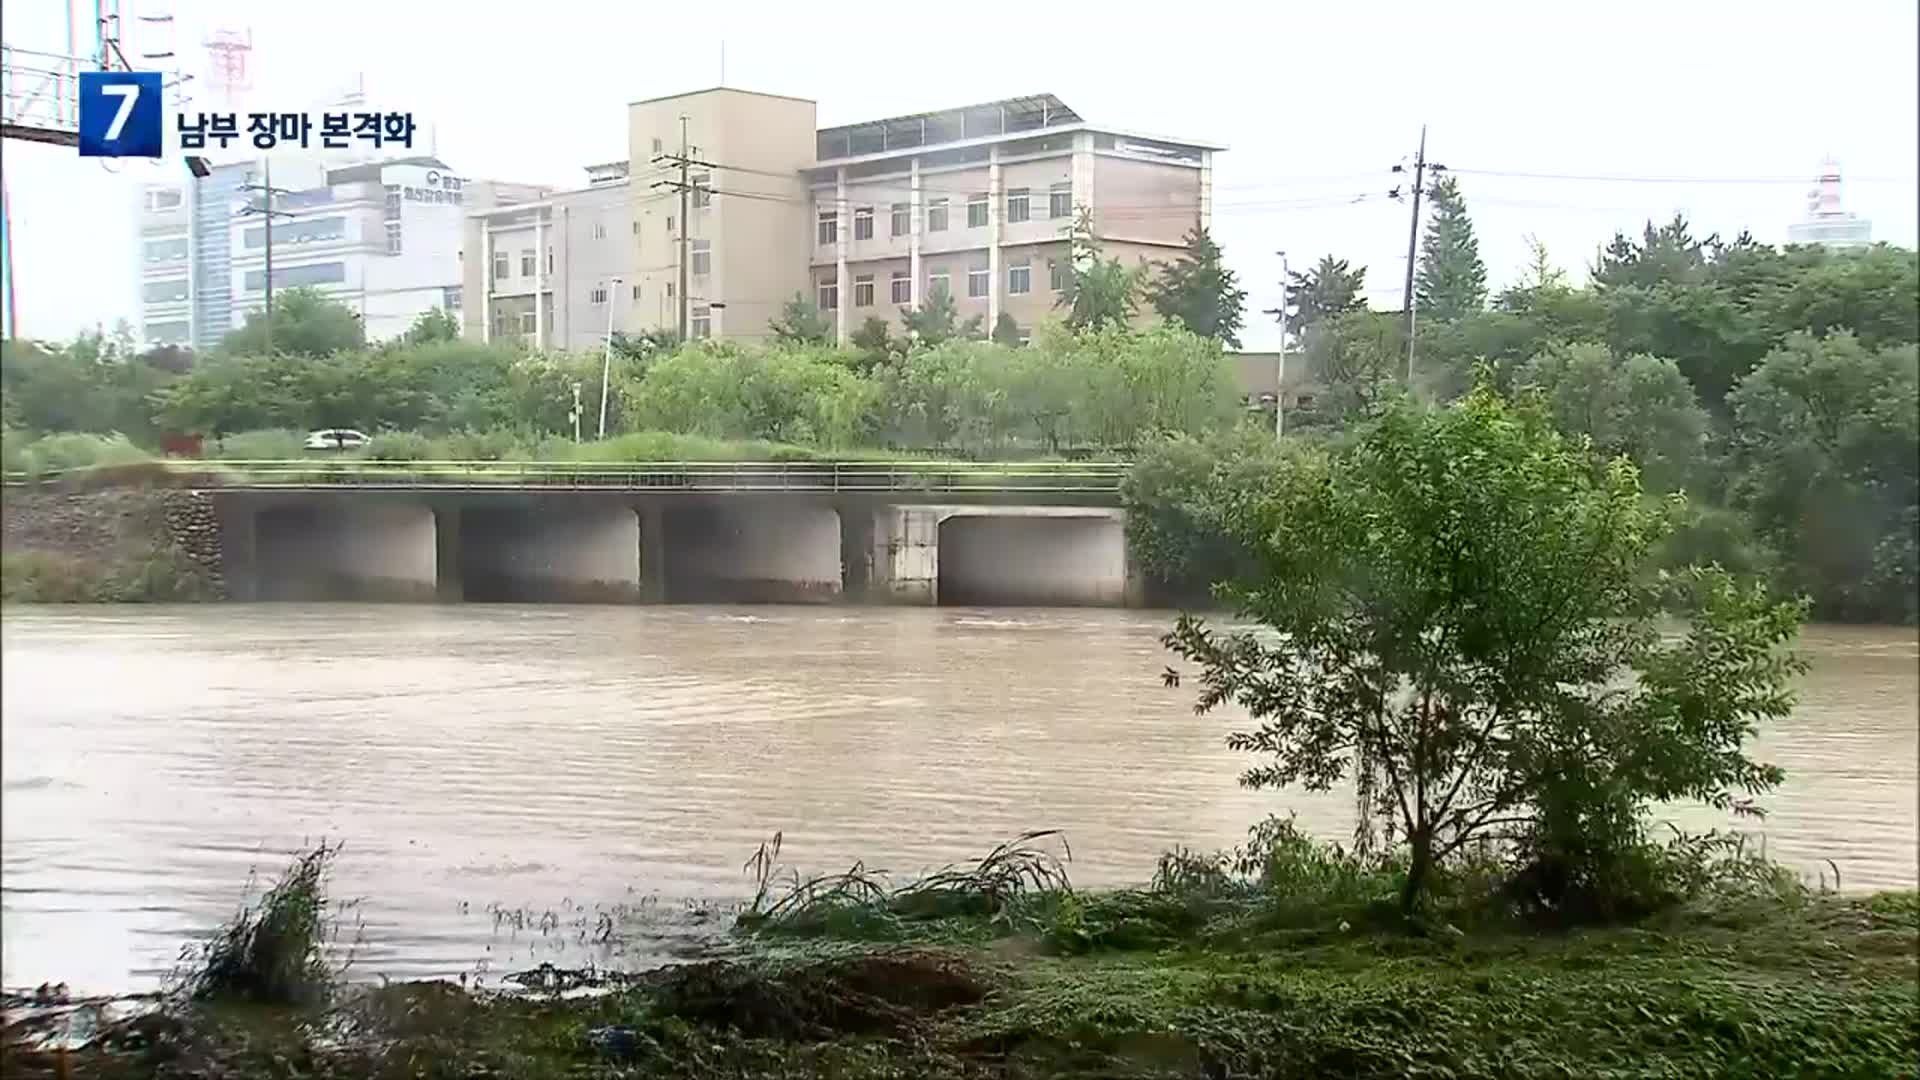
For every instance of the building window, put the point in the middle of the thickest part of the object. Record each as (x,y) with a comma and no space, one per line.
(978,280)
(863,290)
(599,230)
(636,292)
(393,202)
(669,290)
(863,223)
(163,199)
(669,224)
(702,260)
(636,228)
(1056,275)
(937,215)
(549,261)
(1025,334)
(1016,204)
(450,297)
(1019,280)
(1060,200)
(977,210)
(902,287)
(526,262)
(829,226)
(500,265)
(393,238)
(936,283)
(598,295)
(902,219)
(702,190)
(528,322)
(701,323)
(656,146)
(829,295)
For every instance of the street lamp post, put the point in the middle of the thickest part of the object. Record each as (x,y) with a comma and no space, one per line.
(1280,378)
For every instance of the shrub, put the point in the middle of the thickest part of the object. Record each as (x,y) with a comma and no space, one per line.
(400,446)
(75,450)
(272,951)
(263,444)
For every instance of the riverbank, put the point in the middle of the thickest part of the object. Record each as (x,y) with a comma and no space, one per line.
(1144,984)
(119,544)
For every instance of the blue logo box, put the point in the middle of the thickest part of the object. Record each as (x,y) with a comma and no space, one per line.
(120,114)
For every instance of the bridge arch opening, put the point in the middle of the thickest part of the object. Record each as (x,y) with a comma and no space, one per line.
(1035,560)
(744,550)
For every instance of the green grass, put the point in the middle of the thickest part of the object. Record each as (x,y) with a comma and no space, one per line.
(1823,988)
(1274,960)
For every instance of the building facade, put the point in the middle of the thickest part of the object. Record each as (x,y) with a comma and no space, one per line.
(864,219)
(381,237)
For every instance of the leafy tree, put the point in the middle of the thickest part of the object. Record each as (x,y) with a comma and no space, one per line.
(1640,407)
(1199,292)
(93,384)
(937,320)
(1099,292)
(1358,357)
(1826,461)
(1329,288)
(1456,611)
(305,323)
(800,323)
(872,344)
(432,325)
(1451,281)
(1006,331)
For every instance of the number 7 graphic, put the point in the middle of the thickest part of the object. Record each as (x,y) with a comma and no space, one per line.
(120,114)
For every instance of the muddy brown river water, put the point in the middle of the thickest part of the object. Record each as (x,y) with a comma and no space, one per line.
(504,777)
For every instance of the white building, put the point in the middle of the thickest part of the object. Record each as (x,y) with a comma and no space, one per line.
(382,237)
(1826,224)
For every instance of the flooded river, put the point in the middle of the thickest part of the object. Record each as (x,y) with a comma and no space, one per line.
(504,777)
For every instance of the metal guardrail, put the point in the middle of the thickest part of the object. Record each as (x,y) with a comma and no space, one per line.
(800,477)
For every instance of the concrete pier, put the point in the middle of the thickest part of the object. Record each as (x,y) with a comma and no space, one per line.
(745,550)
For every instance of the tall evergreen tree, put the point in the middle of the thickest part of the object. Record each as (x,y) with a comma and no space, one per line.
(1451,281)
(800,323)
(1199,292)
(1326,290)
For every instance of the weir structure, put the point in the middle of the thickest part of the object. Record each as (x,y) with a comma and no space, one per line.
(973,535)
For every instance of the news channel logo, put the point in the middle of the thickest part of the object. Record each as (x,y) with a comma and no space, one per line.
(121,116)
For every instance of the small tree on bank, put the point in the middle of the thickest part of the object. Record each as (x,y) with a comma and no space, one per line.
(1462,619)
(800,323)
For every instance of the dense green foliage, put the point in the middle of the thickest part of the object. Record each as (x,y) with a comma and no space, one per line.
(1329,288)
(1450,604)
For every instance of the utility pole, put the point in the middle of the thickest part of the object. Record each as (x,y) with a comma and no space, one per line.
(685,191)
(1280,378)
(1413,241)
(267,211)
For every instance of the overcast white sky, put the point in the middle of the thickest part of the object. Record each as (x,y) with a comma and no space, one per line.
(1316,102)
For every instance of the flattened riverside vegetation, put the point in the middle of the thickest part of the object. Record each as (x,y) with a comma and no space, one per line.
(1136,984)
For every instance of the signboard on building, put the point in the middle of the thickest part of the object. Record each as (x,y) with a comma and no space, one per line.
(440,187)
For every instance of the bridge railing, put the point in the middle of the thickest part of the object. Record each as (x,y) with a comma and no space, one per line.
(800,477)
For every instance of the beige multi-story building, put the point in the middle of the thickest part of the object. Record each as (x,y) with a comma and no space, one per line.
(866,219)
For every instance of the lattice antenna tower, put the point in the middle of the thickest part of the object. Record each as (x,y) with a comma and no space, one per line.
(227,53)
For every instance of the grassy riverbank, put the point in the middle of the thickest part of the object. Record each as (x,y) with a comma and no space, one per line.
(963,978)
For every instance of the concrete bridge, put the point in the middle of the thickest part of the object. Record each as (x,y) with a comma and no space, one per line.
(902,533)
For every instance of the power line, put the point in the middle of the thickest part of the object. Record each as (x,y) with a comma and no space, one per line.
(1617,179)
